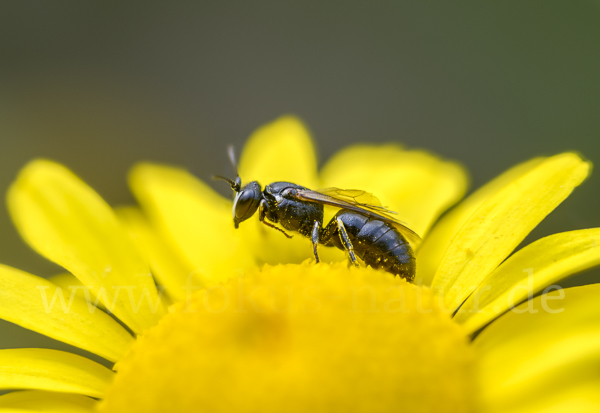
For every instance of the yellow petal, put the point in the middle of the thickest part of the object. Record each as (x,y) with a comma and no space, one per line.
(580,398)
(279,151)
(416,184)
(53,370)
(30,401)
(68,282)
(194,218)
(434,246)
(542,347)
(39,305)
(502,221)
(169,267)
(67,222)
(527,272)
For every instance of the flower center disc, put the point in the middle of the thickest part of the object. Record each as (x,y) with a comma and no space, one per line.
(300,338)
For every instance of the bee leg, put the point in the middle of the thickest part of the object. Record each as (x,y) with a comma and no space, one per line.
(334,226)
(262,218)
(315,239)
(346,241)
(277,228)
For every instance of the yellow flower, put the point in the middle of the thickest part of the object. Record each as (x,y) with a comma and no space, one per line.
(243,320)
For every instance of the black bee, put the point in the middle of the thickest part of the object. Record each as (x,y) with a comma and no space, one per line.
(362,227)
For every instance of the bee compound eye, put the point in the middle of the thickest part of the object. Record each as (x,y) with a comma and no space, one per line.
(246,202)
(243,204)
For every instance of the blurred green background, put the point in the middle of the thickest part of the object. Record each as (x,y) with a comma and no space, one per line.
(101,85)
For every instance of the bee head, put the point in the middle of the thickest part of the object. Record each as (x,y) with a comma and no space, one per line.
(246,202)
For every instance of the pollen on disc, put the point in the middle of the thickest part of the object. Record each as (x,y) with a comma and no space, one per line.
(298,338)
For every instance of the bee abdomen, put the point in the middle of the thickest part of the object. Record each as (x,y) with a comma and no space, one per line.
(381,246)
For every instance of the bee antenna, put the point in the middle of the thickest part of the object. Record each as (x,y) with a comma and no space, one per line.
(231,153)
(235,185)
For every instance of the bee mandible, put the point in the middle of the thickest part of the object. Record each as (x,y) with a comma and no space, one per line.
(362,227)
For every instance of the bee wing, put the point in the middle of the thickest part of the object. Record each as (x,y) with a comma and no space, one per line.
(349,199)
(357,197)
